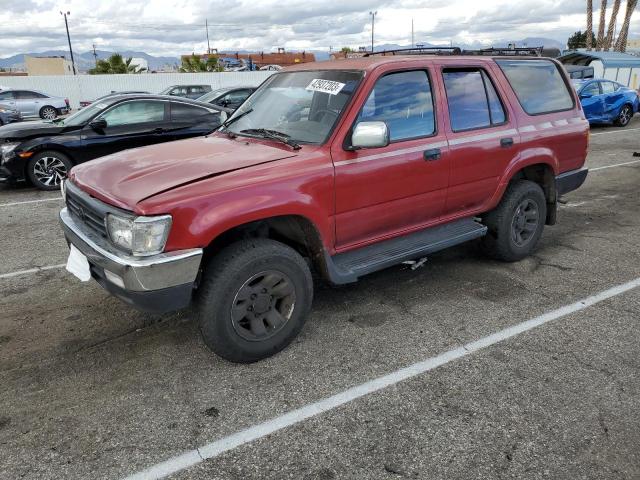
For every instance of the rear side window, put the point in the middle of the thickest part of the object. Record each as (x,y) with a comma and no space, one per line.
(404,102)
(472,99)
(538,85)
(608,87)
(182,112)
(591,89)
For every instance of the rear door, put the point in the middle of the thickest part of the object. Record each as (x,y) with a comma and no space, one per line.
(130,124)
(482,139)
(28,102)
(612,99)
(8,98)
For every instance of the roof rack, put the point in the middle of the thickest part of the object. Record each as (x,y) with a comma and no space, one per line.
(520,51)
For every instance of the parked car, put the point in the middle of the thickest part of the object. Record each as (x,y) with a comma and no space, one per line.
(86,103)
(275,68)
(31,103)
(44,152)
(606,101)
(364,174)
(229,97)
(9,115)
(186,91)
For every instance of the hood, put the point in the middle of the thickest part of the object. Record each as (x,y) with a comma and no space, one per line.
(29,130)
(129,177)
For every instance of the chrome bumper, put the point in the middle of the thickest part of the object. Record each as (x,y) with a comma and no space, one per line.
(138,274)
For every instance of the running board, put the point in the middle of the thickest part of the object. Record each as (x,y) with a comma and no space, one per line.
(348,267)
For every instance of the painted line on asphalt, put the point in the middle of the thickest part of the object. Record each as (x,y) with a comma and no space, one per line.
(256,432)
(31,270)
(622,130)
(57,199)
(633,162)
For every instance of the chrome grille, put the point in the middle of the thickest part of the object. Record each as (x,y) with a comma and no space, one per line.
(84,212)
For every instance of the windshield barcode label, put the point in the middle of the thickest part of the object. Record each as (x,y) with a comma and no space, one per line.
(325,86)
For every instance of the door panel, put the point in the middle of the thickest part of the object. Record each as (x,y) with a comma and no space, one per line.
(384,191)
(593,106)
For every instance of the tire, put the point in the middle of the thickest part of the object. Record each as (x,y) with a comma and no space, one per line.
(241,289)
(46,169)
(625,116)
(48,112)
(515,226)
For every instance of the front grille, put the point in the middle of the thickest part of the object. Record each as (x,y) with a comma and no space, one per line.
(86,211)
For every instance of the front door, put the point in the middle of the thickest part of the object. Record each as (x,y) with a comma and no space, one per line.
(381,192)
(592,101)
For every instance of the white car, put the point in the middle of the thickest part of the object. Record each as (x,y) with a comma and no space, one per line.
(271,67)
(31,103)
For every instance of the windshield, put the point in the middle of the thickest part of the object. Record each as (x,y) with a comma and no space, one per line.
(83,116)
(303,105)
(166,91)
(207,97)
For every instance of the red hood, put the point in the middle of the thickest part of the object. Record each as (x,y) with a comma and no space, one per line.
(124,179)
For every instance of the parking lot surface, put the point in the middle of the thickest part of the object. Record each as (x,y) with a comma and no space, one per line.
(94,389)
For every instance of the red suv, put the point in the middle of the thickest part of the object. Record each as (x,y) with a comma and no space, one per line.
(343,167)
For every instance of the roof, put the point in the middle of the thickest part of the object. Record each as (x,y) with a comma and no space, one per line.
(608,59)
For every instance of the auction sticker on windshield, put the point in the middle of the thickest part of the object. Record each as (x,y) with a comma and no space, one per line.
(325,86)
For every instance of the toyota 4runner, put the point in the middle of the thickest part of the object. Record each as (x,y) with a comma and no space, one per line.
(343,167)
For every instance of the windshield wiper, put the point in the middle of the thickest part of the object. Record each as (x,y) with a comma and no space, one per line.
(233,120)
(273,135)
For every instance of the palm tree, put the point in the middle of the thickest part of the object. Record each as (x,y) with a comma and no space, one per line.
(589,24)
(115,64)
(608,41)
(621,44)
(195,64)
(603,13)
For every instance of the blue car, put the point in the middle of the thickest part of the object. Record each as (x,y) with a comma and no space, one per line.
(606,101)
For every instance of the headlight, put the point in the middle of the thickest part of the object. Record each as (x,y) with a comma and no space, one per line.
(140,236)
(6,150)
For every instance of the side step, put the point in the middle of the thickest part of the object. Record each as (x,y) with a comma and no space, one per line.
(347,267)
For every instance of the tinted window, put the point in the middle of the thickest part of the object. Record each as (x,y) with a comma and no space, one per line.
(6,95)
(472,99)
(26,95)
(538,85)
(402,100)
(608,87)
(234,98)
(591,89)
(181,112)
(134,112)
(196,90)
(179,91)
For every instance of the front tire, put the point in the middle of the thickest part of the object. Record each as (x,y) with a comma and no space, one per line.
(47,169)
(516,225)
(254,299)
(48,113)
(625,116)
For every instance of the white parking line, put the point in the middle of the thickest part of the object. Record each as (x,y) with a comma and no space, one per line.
(213,449)
(31,201)
(621,130)
(31,270)
(633,162)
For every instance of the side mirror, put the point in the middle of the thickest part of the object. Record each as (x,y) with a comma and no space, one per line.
(370,135)
(99,124)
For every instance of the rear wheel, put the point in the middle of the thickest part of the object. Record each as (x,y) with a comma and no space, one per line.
(625,116)
(48,113)
(254,299)
(515,226)
(47,169)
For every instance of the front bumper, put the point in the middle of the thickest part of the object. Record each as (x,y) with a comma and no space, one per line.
(159,283)
(569,181)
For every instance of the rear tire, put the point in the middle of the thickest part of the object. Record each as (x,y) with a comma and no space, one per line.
(47,169)
(48,112)
(515,226)
(625,116)
(254,299)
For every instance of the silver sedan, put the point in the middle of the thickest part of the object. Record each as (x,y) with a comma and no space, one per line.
(31,103)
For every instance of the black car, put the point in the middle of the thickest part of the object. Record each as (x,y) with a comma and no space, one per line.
(186,91)
(9,115)
(228,97)
(43,152)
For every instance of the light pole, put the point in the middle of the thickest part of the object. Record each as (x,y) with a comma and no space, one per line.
(66,24)
(373,21)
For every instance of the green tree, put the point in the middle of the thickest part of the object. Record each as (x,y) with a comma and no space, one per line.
(578,40)
(346,50)
(195,64)
(115,64)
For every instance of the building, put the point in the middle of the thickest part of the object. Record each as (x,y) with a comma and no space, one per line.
(47,66)
(261,59)
(621,67)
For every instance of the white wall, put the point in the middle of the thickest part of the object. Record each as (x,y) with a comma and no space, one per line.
(89,87)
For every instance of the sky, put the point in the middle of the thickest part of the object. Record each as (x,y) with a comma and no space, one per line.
(175,27)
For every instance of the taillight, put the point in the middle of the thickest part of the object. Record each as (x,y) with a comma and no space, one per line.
(66,100)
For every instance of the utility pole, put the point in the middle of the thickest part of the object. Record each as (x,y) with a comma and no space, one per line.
(206,24)
(412,37)
(95,55)
(73,64)
(373,21)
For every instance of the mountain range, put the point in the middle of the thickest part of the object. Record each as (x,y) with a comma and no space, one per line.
(84,61)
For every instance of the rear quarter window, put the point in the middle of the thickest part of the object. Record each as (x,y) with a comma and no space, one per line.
(538,85)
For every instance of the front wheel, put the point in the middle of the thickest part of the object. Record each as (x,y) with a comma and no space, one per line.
(625,116)
(516,225)
(48,113)
(254,299)
(47,169)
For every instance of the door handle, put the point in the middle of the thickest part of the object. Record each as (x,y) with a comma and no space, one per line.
(506,142)
(432,154)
